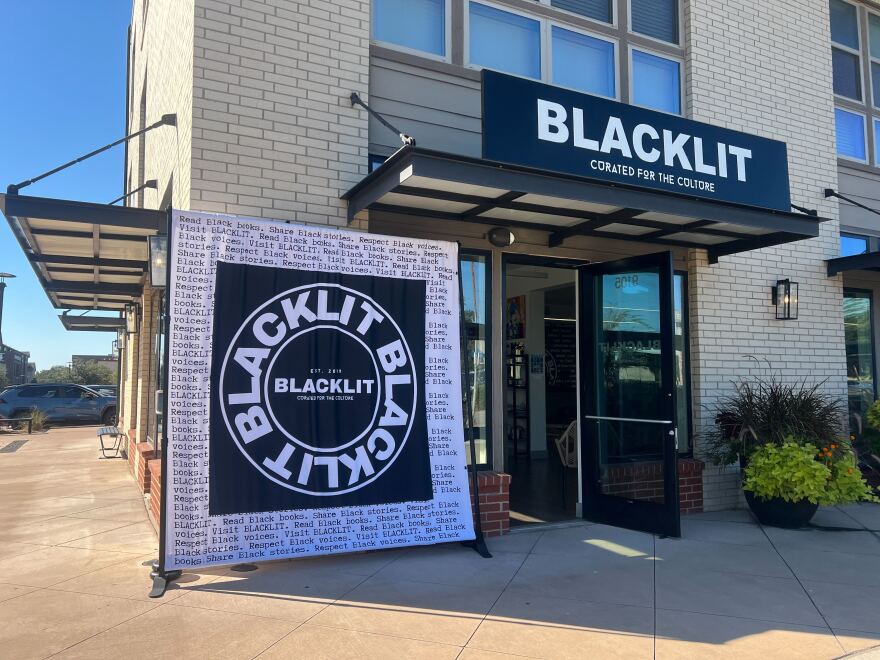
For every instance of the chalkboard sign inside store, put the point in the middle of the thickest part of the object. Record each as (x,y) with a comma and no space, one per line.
(551,128)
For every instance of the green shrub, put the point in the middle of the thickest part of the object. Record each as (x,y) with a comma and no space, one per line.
(38,420)
(797,471)
(789,471)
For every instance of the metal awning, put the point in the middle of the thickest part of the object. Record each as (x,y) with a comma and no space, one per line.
(86,256)
(92,323)
(866,261)
(433,184)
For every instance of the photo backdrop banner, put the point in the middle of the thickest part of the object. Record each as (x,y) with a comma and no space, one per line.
(314,396)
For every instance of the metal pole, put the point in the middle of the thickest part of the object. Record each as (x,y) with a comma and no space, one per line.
(161,576)
(2,291)
(479,542)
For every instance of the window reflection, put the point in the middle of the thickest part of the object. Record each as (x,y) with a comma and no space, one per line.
(858,335)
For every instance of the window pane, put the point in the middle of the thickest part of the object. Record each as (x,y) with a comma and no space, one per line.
(655,82)
(473,280)
(844,24)
(655,18)
(598,9)
(877,141)
(682,369)
(850,245)
(417,24)
(850,134)
(504,41)
(875,82)
(847,78)
(857,328)
(583,62)
(874,34)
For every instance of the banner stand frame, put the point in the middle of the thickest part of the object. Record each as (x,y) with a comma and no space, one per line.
(159,575)
(162,577)
(479,542)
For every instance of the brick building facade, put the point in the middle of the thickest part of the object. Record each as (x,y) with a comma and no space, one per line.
(266,128)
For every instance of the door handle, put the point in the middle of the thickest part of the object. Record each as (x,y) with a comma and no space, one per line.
(600,418)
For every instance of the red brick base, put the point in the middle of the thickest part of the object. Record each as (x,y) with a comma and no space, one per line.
(144,454)
(645,481)
(494,502)
(155,468)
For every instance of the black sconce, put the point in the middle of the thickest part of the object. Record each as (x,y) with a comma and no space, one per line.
(501,237)
(132,318)
(785,297)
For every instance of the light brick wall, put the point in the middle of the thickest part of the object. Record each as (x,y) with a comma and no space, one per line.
(274,132)
(162,57)
(765,68)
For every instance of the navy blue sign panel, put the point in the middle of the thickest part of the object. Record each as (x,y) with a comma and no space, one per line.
(316,383)
(537,125)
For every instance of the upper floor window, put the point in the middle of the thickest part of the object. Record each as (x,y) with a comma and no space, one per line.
(505,41)
(656,82)
(851,244)
(583,62)
(850,134)
(655,18)
(414,24)
(845,50)
(599,10)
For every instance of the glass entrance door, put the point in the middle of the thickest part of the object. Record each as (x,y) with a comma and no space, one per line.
(628,431)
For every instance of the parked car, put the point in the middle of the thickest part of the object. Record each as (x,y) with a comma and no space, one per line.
(59,403)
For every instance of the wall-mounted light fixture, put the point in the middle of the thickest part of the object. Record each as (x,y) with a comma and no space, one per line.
(501,237)
(132,318)
(158,260)
(785,297)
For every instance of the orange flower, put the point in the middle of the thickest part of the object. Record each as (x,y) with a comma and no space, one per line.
(849,470)
(825,449)
(834,446)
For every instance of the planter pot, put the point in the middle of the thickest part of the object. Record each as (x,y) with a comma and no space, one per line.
(777,512)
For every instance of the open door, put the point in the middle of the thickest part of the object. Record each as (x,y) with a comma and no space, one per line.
(629,456)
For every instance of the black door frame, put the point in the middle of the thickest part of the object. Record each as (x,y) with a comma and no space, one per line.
(660,518)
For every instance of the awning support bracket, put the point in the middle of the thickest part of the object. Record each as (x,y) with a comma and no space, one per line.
(166,120)
(408,140)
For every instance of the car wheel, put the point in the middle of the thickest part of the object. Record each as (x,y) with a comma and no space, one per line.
(109,417)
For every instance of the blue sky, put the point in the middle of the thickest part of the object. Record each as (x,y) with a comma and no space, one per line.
(64,95)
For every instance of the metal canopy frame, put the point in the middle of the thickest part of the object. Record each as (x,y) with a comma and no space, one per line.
(865,261)
(103,263)
(419,174)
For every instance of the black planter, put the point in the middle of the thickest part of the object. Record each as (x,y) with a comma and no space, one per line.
(777,512)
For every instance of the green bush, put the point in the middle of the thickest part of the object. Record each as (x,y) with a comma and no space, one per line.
(797,471)
(789,471)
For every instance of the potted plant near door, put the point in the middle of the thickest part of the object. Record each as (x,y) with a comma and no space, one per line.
(785,484)
(785,437)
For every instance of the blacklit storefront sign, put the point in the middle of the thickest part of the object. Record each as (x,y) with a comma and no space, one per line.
(537,125)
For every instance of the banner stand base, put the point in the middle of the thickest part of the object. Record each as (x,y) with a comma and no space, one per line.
(244,568)
(161,580)
(479,546)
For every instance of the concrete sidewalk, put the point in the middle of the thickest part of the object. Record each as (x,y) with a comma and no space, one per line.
(74,541)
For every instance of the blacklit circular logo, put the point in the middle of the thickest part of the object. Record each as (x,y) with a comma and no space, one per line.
(319,390)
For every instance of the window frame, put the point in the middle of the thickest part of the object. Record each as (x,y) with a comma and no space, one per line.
(865,139)
(542,41)
(664,56)
(447,37)
(550,24)
(686,367)
(487,255)
(679,26)
(875,103)
(869,294)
